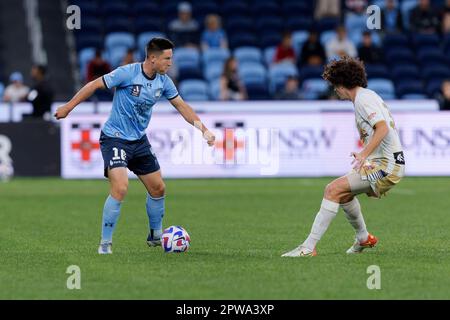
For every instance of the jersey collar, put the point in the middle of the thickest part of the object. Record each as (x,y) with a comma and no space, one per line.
(145,75)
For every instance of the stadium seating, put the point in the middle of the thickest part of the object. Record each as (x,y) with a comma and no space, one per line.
(2,89)
(194,90)
(415,64)
(384,87)
(313,88)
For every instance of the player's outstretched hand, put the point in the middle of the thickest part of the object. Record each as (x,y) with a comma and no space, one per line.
(61,112)
(210,138)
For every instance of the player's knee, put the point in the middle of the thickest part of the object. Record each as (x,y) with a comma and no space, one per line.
(331,192)
(158,189)
(119,191)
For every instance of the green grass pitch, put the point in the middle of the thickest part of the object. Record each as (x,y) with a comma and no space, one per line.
(239,229)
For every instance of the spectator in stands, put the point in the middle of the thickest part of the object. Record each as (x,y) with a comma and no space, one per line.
(444,99)
(424,18)
(16,91)
(285,52)
(129,57)
(312,53)
(368,52)
(290,90)
(41,94)
(213,36)
(231,87)
(184,30)
(391,18)
(97,67)
(340,45)
(327,9)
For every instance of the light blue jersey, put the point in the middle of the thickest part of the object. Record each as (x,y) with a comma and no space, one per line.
(133,101)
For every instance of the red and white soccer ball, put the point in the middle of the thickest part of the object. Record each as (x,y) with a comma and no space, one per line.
(175,239)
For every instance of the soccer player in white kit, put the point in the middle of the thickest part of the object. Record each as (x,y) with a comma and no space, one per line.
(377,168)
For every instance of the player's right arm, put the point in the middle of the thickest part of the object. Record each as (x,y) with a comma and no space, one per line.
(84,93)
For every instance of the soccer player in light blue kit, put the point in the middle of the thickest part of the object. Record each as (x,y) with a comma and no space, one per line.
(123,141)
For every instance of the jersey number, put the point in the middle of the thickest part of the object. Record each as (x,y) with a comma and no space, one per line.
(122,156)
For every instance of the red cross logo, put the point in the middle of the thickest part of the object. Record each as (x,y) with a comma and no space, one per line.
(86,146)
(229,144)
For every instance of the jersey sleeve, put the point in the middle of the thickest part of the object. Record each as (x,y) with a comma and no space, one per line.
(117,77)
(169,89)
(371,112)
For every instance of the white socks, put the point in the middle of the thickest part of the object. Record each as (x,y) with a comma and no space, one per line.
(326,214)
(353,214)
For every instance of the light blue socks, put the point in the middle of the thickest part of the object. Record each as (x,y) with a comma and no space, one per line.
(111,212)
(155,212)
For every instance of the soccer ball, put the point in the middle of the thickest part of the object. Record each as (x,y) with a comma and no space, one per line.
(175,239)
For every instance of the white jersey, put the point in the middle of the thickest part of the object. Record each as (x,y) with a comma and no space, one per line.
(370,109)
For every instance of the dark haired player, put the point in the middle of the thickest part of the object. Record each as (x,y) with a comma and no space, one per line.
(377,168)
(123,141)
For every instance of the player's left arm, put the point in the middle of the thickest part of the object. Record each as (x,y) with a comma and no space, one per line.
(190,116)
(381,129)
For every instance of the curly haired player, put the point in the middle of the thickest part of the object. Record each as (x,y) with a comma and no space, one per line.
(377,168)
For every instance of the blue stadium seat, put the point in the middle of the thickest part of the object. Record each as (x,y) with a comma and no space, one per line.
(116,56)
(269,55)
(144,37)
(257,91)
(119,39)
(433,87)
(233,9)
(91,40)
(406,71)
(420,40)
(265,8)
(310,72)
(400,55)
(355,22)
(377,71)
(194,90)
(435,72)
(242,39)
(248,54)
(392,40)
(144,8)
(269,39)
(115,8)
(415,96)
(187,60)
(84,56)
(313,88)
(269,24)
(298,39)
(239,24)
(186,57)
(213,71)
(409,87)
(87,7)
(327,24)
(252,73)
(214,89)
(431,55)
(384,87)
(298,23)
(91,25)
(2,89)
(327,36)
(148,24)
(113,24)
(295,8)
(278,74)
(215,55)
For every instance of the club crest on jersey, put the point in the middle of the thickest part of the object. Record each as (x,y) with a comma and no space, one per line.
(136,90)
(158,93)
